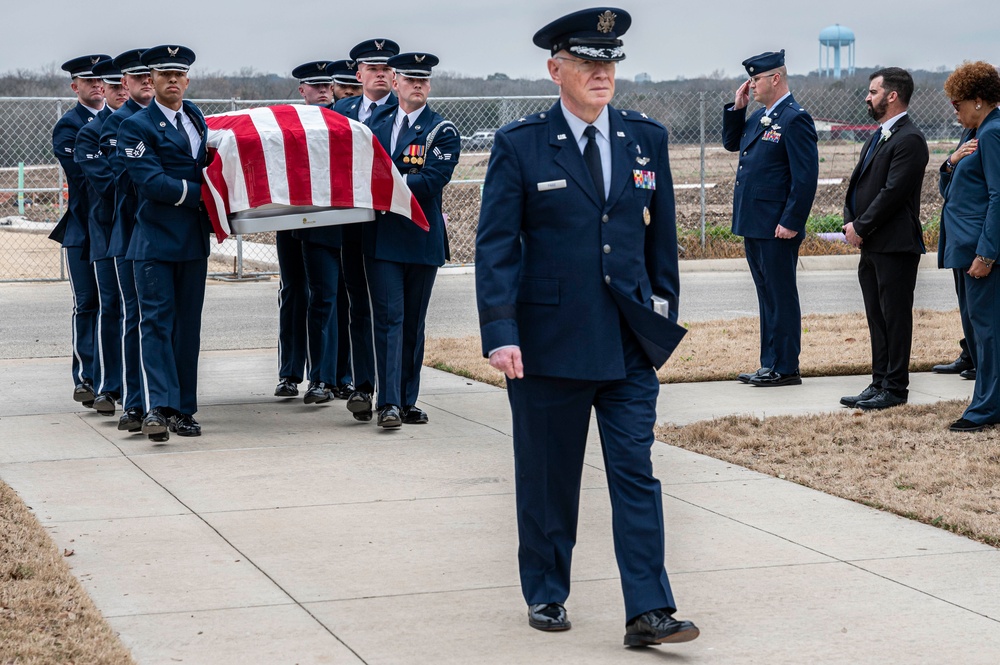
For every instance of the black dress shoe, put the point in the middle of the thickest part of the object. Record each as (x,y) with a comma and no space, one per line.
(104,404)
(84,392)
(658,627)
(969,374)
(772,379)
(185,425)
(343,391)
(964,425)
(318,393)
(154,425)
(286,388)
(414,416)
(745,378)
(883,400)
(867,393)
(360,404)
(388,417)
(550,617)
(131,420)
(961,364)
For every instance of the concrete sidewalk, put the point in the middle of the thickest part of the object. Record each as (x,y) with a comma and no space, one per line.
(293,534)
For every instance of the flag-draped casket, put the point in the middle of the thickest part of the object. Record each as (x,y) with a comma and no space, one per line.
(297,162)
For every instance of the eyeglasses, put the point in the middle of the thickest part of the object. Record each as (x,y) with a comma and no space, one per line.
(762,76)
(588,66)
(956,103)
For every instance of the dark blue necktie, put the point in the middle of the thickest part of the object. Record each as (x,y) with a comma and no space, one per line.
(592,156)
(184,135)
(871,146)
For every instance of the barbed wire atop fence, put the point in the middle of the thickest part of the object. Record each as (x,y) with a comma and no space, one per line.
(33,194)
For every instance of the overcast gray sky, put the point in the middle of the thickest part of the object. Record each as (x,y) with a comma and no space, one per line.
(667,39)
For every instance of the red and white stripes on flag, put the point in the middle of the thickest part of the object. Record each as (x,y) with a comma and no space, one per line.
(298,155)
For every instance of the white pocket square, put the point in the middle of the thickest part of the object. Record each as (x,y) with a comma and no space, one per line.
(551,184)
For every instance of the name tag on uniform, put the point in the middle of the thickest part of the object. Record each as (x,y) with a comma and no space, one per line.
(551,184)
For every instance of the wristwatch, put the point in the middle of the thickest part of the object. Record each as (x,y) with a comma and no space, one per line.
(988,262)
(948,166)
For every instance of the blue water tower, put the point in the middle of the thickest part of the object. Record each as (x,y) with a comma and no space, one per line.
(833,38)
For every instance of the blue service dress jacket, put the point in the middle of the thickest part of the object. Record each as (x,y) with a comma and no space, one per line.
(100,184)
(557,271)
(171,223)
(126,199)
(970,218)
(71,231)
(426,154)
(349,106)
(778,169)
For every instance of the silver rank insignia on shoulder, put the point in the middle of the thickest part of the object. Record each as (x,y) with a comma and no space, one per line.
(621,135)
(642,161)
(645,215)
(561,137)
(521,119)
(644,116)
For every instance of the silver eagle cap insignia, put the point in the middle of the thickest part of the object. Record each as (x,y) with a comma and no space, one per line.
(379,44)
(173,51)
(606,21)
(419,58)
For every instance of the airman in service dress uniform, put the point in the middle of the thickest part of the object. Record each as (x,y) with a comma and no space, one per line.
(775,186)
(577,286)
(101,198)
(375,77)
(163,147)
(139,83)
(401,260)
(71,231)
(345,79)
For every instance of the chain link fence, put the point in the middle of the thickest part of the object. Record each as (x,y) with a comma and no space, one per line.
(33,194)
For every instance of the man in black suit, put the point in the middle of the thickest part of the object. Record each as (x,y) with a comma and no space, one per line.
(882,217)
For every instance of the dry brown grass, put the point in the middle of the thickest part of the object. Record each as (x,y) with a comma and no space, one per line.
(45,615)
(902,460)
(832,345)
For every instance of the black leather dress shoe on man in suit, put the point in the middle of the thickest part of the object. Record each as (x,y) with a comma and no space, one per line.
(969,374)
(867,393)
(772,379)
(154,425)
(388,417)
(550,617)
(745,378)
(964,425)
(185,425)
(883,400)
(413,415)
(658,627)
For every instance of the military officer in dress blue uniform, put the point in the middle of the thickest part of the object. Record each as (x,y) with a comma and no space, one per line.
(375,77)
(294,361)
(775,186)
(71,231)
(401,260)
(138,82)
(345,79)
(163,147)
(310,263)
(577,286)
(88,155)
(345,84)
